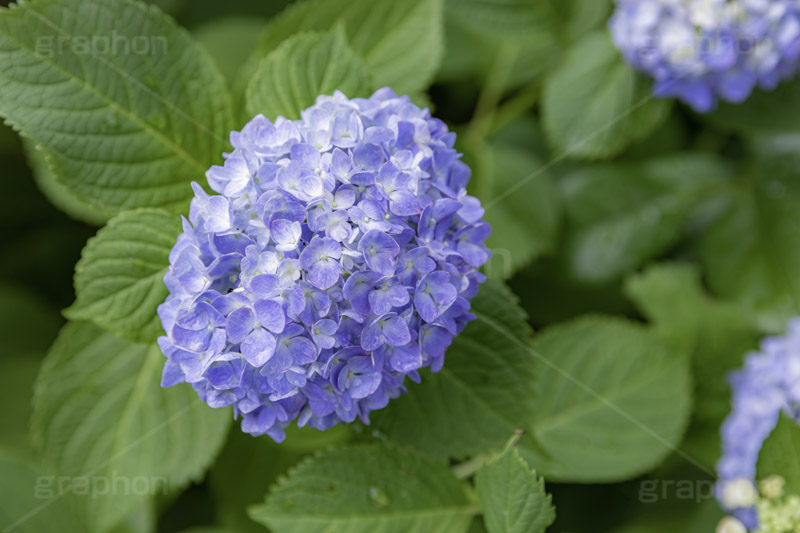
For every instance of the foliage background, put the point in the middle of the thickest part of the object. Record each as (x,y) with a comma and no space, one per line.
(679,229)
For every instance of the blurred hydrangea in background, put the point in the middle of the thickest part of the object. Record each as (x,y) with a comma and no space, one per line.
(338,258)
(768,385)
(701,51)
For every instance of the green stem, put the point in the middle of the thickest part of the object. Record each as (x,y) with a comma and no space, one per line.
(515,107)
(468,468)
(492,92)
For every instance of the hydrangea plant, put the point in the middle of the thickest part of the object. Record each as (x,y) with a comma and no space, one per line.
(288,290)
(337,258)
(768,385)
(701,51)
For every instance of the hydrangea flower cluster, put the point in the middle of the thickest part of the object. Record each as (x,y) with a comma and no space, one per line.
(338,257)
(778,512)
(702,50)
(768,384)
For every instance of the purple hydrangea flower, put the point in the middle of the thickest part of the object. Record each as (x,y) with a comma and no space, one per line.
(338,256)
(768,384)
(703,50)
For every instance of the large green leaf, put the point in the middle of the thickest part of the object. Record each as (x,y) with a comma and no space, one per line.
(522,205)
(623,214)
(247,467)
(512,496)
(56,192)
(780,454)
(119,280)
(601,399)
(367,489)
(303,67)
(484,392)
(612,401)
(400,42)
(715,333)
(508,18)
(32,501)
(594,104)
(100,413)
(126,106)
(752,252)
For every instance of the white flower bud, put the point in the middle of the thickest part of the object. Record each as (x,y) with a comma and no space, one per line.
(739,493)
(772,487)
(730,525)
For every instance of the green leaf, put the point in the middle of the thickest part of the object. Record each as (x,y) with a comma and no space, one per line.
(522,206)
(55,191)
(462,52)
(27,326)
(100,413)
(506,18)
(775,153)
(367,489)
(471,52)
(307,439)
(244,471)
(400,42)
(601,399)
(773,111)
(229,40)
(582,16)
(621,215)
(31,501)
(594,105)
(142,520)
(126,105)
(752,252)
(781,454)
(512,496)
(17,375)
(119,280)
(248,467)
(303,67)
(612,401)
(671,137)
(716,334)
(484,392)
